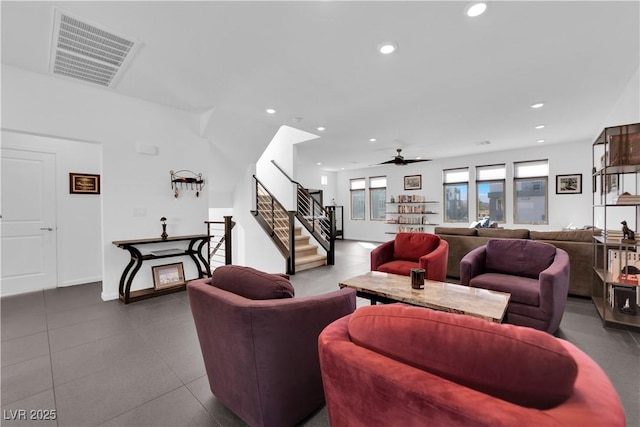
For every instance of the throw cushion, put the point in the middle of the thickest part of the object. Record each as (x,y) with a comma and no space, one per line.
(521,365)
(518,257)
(411,246)
(251,283)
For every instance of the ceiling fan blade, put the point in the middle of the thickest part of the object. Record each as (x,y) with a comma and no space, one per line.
(388,162)
(416,160)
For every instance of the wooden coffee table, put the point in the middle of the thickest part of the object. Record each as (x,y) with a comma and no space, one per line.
(386,288)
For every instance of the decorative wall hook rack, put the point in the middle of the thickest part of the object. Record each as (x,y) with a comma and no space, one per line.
(186,180)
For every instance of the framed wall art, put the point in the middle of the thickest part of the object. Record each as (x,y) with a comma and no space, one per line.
(84,183)
(168,275)
(569,184)
(413,182)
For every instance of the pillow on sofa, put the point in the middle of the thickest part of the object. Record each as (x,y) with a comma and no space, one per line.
(251,283)
(411,246)
(521,365)
(519,257)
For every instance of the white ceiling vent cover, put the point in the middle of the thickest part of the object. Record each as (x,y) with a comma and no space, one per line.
(87,52)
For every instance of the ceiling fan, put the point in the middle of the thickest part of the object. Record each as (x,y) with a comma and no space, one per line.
(401,161)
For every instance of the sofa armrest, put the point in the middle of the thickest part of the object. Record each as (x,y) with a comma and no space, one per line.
(435,263)
(472,265)
(382,254)
(554,288)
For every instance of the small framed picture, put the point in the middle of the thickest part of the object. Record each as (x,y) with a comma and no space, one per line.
(413,182)
(569,184)
(168,275)
(84,183)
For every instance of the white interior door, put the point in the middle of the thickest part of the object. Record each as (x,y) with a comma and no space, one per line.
(28,225)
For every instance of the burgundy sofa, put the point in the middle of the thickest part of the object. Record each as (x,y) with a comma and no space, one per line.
(536,274)
(412,250)
(394,364)
(260,344)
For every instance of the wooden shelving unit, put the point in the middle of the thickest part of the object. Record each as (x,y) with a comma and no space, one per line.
(410,215)
(616,167)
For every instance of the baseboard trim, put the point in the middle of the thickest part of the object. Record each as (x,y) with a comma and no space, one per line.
(83,281)
(108,296)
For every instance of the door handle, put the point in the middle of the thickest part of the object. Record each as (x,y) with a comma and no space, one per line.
(46,228)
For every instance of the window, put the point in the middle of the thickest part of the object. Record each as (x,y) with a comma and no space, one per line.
(378,198)
(490,181)
(357,198)
(530,192)
(456,188)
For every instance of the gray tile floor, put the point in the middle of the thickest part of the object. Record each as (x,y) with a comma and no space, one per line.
(106,364)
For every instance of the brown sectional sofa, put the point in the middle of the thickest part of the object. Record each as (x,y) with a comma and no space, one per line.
(577,243)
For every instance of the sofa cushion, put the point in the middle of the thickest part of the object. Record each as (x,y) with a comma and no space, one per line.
(251,283)
(517,364)
(411,246)
(568,235)
(456,231)
(516,233)
(400,267)
(518,257)
(523,290)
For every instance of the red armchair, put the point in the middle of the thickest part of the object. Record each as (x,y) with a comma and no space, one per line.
(412,250)
(388,365)
(260,344)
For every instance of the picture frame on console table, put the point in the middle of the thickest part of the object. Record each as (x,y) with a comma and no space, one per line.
(168,275)
(569,184)
(413,182)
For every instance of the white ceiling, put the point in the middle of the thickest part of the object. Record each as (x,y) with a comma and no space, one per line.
(454,81)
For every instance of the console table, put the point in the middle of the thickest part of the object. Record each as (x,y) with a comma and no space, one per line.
(194,250)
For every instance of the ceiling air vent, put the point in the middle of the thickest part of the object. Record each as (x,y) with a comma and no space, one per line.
(87,52)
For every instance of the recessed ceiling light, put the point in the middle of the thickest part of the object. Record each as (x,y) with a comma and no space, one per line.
(271,111)
(418,158)
(540,127)
(387,47)
(537,105)
(321,128)
(318,163)
(475,9)
(540,141)
(372,140)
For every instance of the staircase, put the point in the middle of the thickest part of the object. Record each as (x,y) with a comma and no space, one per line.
(307,255)
(279,224)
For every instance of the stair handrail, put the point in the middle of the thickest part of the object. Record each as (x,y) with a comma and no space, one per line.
(324,232)
(287,250)
(225,239)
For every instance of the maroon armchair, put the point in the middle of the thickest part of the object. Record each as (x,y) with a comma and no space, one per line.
(389,365)
(412,250)
(536,274)
(260,344)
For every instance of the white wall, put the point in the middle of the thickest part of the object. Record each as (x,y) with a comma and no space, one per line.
(563,209)
(627,109)
(310,177)
(281,149)
(79,217)
(136,188)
